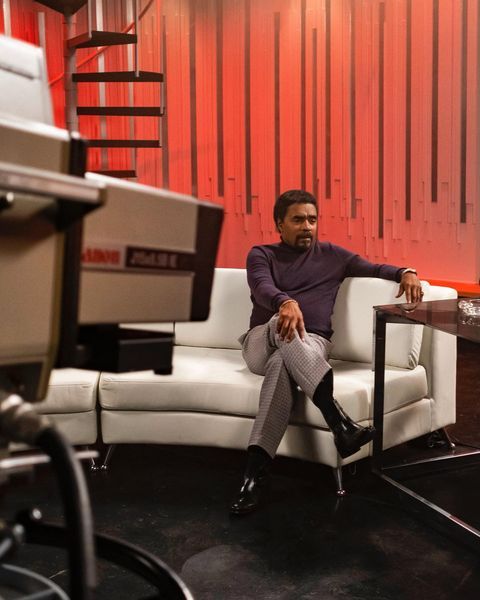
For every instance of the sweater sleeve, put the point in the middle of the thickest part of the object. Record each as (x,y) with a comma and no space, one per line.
(356,266)
(260,280)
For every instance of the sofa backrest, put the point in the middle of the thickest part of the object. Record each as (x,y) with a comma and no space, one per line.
(352,319)
(352,323)
(230,308)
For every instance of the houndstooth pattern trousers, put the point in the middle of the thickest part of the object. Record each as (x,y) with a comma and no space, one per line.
(285,365)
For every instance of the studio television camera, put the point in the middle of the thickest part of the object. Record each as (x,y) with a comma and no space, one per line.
(81,257)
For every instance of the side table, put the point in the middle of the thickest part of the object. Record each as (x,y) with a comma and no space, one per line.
(446,316)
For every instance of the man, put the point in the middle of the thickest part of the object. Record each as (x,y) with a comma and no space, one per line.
(293,286)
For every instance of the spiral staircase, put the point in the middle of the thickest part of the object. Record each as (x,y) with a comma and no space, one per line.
(96,37)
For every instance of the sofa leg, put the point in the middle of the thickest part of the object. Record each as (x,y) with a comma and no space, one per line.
(337,474)
(448,439)
(108,455)
(440,438)
(93,464)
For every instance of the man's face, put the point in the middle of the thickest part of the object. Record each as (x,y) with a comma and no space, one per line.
(299,227)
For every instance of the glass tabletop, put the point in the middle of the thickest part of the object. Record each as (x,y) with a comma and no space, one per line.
(451,316)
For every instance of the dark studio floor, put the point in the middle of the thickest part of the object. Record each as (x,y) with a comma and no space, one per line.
(305,544)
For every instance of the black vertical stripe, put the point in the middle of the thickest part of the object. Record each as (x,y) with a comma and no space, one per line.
(248,140)
(463,116)
(276,99)
(314,114)
(165,157)
(193,103)
(353,120)
(434,157)
(328,108)
(381,100)
(219,69)
(408,115)
(303,110)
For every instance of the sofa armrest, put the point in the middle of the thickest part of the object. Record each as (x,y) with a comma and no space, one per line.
(439,357)
(443,379)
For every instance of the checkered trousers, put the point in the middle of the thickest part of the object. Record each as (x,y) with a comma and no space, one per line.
(285,366)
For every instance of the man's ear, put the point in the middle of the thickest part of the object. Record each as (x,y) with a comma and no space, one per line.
(279,225)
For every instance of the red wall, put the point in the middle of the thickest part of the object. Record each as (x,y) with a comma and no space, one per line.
(371,104)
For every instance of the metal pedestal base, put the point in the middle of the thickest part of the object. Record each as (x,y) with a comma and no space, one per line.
(15,580)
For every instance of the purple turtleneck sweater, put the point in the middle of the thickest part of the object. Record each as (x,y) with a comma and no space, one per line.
(278,272)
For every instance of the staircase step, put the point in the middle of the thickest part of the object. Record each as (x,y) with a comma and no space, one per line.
(120,173)
(121,111)
(64,6)
(124,143)
(102,38)
(118,76)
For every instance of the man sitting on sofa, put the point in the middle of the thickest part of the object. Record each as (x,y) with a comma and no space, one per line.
(293,286)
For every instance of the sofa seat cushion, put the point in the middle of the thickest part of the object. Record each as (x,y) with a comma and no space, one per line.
(217,381)
(204,379)
(353,389)
(402,386)
(70,391)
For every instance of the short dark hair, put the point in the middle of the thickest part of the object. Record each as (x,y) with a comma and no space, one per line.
(287,199)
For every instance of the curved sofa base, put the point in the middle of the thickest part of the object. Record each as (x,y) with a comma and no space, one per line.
(228,431)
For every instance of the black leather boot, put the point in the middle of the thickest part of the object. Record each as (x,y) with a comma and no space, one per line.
(254,483)
(348,436)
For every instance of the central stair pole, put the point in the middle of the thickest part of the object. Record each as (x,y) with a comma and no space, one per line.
(69,60)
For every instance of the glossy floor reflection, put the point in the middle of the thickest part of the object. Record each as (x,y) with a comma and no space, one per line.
(304,544)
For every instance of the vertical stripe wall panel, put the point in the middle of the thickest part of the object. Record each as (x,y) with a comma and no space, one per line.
(371,104)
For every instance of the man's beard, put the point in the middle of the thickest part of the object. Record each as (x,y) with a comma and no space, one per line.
(304,242)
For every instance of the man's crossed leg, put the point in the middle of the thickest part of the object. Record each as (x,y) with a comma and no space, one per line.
(284,365)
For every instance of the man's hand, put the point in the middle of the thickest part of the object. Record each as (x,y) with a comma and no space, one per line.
(290,319)
(410,284)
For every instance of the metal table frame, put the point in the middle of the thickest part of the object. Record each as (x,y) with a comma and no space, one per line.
(425,509)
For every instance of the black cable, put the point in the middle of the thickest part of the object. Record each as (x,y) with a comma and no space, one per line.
(78,515)
(19,422)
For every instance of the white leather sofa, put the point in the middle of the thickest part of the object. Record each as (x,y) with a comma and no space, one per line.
(71,403)
(211,398)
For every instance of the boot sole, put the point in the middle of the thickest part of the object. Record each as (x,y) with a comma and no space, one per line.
(243,512)
(264,485)
(345,453)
